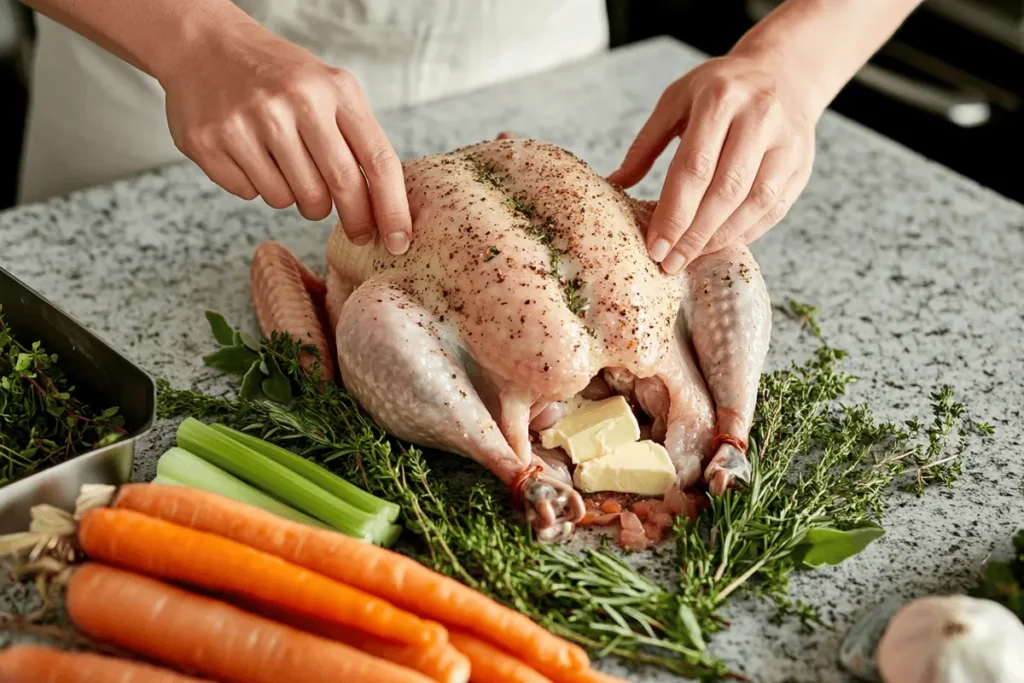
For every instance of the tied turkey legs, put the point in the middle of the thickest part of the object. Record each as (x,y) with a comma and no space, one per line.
(527,279)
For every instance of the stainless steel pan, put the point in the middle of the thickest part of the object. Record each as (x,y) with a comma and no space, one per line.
(104,376)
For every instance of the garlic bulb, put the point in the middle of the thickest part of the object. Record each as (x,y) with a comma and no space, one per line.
(952,639)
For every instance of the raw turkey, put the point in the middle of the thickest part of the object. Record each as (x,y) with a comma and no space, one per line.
(527,283)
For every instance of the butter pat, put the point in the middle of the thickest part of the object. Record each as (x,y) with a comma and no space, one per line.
(642,467)
(597,428)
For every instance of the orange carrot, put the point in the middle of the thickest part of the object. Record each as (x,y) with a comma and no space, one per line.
(37,664)
(488,664)
(157,548)
(590,676)
(381,572)
(442,663)
(192,632)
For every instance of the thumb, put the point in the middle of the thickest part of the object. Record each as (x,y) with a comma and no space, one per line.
(662,125)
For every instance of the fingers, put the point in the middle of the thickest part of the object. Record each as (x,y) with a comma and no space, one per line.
(299,170)
(383,170)
(310,139)
(793,190)
(687,181)
(249,153)
(232,153)
(772,181)
(659,129)
(223,170)
(342,176)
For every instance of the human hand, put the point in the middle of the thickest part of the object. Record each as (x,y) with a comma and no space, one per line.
(262,116)
(745,154)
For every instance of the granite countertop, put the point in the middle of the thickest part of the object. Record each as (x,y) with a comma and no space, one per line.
(916,271)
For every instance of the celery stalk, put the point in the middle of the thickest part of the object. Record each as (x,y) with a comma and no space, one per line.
(178,466)
(320,476)
(275,479)
(390,535)
(163,479)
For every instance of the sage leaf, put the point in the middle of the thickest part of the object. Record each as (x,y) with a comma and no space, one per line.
(222,331)
(833,546)
(232,359)
(248,341)
(251,383)
(276,386)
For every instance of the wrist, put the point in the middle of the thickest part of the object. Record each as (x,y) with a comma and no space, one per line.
(819,45)
(193,33)
(804,88)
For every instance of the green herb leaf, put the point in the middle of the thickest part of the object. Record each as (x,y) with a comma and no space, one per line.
(252,383)
(276,386)
(832,546)
(249,342)
(233,359)
(222,331)
(689,621)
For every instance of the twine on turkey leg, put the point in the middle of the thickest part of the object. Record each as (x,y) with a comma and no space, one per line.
(519,486)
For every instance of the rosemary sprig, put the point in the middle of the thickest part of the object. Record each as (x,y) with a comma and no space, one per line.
(43,420)
(821,470)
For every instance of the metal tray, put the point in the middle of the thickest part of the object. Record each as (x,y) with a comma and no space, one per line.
(102,375)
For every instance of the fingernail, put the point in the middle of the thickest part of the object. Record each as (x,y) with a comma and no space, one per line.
(397,242)
(362,240)
(673,263)
(659,250)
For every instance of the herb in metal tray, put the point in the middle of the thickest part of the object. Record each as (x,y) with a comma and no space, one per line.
(42,420)
(822,473)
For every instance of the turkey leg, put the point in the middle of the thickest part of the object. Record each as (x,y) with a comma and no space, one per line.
(729,318)
(397,363)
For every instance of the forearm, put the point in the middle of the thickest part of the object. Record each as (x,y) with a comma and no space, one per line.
(153,35)
(823,43)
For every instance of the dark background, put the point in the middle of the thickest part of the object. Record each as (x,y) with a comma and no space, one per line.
(991,154)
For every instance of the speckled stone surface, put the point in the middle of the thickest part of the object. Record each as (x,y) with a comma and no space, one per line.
(917,272)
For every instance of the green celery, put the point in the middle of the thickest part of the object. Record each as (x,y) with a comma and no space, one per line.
(389,536)
(179,466)
(320,476)
(275,479)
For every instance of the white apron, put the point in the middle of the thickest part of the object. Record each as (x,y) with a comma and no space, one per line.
(93,118)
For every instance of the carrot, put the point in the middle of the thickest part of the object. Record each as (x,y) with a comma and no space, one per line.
(157,548)
(37,664)
(590,676)
(492,665)
(381,572)
(489,664)
(442,663)
(192,632)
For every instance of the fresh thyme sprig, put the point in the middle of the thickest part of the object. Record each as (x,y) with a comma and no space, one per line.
(42,419)
(822,474)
